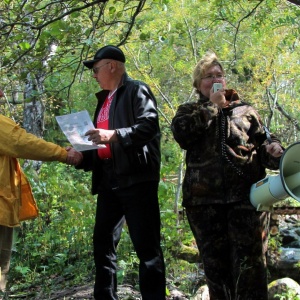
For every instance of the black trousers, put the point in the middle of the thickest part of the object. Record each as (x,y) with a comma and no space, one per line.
(139,205)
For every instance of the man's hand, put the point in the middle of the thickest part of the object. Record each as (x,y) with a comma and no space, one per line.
(101,136)
(74,157)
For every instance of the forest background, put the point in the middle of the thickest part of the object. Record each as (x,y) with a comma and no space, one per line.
(43,44)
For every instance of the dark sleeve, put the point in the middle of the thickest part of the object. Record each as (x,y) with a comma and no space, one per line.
(190,122)
(267,160)
(261,139)
(144,119)
(87,161)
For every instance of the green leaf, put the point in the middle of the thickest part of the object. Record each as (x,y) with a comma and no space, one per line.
(24,45)
(144,36)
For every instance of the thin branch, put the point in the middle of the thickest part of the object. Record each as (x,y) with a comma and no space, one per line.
(237,27)
(191,40)
(297,2)
(240,22)
(28,50)
(294,121)
(138,10)
(279,107)
(41,26)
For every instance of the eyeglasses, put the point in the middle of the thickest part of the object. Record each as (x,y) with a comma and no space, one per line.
(96,69)
(211,77)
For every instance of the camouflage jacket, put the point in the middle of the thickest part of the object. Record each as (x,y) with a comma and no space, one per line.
(225,150)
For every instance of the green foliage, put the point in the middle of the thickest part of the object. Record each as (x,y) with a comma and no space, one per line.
(289,295)
(58,242)
(257,66)
(274,243)
(258,43)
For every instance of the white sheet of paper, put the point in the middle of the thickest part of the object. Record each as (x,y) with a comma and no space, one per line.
(74,126)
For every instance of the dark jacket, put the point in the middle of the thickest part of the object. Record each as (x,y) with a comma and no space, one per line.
(225,150)
(136,157)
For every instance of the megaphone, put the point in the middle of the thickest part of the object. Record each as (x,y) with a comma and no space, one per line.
(273,189)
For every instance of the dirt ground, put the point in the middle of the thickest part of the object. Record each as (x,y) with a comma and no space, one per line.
(85,292)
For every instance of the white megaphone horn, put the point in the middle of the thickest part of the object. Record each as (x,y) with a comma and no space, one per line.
(272,189)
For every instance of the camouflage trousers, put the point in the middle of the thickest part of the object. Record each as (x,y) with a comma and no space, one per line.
(232,240)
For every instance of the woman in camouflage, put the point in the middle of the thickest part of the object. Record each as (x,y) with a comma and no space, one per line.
(227,151)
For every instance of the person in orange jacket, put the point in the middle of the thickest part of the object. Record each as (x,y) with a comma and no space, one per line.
(15,143)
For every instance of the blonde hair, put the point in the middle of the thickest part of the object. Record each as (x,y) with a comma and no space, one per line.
(208,59)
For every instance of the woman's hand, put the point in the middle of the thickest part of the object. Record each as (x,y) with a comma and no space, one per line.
(218,97)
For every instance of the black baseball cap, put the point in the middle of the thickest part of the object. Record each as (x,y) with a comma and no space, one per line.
(110,52)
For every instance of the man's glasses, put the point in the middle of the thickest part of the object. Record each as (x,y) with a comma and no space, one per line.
(96,69)
(211,77)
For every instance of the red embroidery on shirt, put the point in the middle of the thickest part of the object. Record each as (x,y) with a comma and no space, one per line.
(104,111)
(102,122)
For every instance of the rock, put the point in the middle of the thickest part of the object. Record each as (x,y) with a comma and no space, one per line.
(128,292)
(201,294)
(285,287)
(287,264)
(289,236)
(189,254)
(177,295)
(284,261)
(292,219)
(294,244)
(289,257)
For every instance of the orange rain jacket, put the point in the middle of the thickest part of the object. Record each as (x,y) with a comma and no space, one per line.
(15,142)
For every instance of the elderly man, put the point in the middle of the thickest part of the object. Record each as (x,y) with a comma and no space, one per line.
(15,142)
(125,175)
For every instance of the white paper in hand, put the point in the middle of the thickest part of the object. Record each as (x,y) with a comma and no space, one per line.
(74,126)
